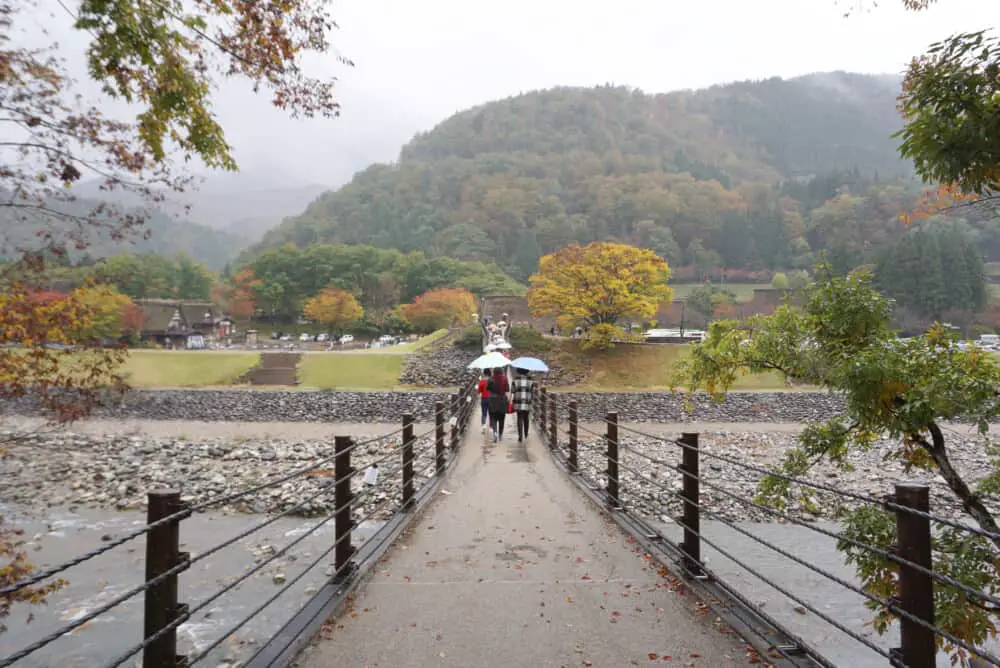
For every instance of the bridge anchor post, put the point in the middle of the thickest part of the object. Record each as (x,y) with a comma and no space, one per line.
(407,460)
(918,648)
(161,606)
(343,502)
(614,491)
(574,465)
(690,494)
(439,451)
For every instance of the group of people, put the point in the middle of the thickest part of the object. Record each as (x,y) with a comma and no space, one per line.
(500,397)
(496,332)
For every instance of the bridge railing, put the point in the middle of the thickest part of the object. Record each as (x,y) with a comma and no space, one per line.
(406,476)
(658,488)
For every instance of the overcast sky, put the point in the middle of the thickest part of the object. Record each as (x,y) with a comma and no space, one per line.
(419,62)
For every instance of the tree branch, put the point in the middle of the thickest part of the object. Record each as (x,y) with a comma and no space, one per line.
(970,501)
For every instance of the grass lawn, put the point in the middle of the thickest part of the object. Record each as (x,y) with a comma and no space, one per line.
(187,368)
(743,291)
(647,367)
(343,371)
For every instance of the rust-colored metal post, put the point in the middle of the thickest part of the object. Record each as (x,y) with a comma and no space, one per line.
(161,606)
(553,424)
(439,451)
(343,502)
(454,427)
(614,498)
(574,466)
(543,409)
(690,494)
(916,589)
(407,460)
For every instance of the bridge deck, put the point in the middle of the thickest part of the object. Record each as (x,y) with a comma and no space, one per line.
(515,567)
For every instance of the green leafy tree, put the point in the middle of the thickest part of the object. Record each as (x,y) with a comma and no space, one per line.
(951,103)
(780,281)
(901,389)
(706,299)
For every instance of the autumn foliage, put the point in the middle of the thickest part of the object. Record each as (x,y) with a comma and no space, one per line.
(599,284)
(335,308)
(237,299)
(443,307)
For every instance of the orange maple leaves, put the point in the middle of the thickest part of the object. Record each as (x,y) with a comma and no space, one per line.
(443,307)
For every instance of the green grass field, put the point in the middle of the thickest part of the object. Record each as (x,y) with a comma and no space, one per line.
(345,371)
(645,367)
(743,291)
(188,368)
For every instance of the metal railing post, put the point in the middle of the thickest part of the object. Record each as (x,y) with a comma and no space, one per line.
(439,452)
(918,648)
(614,498)
(553,424)
(343,501)
(543,408)
(574,466)
(690,495)
(407,460)
(161,606)
(454,427)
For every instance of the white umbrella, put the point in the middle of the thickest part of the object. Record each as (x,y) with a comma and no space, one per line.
(489,361)
(502,345)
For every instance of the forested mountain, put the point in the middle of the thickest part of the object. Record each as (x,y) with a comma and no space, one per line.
(748,176)
(159,233)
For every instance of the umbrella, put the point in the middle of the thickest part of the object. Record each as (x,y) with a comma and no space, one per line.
(529,364)
(489,361)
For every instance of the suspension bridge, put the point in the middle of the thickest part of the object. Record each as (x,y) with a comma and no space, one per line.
(540,553)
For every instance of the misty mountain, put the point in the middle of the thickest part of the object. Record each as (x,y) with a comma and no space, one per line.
(164,234)
(705,177)
(245,204)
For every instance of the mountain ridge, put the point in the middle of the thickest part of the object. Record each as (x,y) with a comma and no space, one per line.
(681,172)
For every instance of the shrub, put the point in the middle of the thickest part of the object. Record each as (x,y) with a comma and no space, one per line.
(526,338)
(470,337)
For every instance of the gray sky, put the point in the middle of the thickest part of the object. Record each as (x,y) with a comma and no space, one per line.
(419,62)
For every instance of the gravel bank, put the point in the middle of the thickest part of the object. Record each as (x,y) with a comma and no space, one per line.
(113,469)
(650,486)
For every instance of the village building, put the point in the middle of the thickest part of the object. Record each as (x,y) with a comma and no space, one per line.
(182,324)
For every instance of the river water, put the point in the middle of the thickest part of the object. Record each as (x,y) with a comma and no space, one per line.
(66,534)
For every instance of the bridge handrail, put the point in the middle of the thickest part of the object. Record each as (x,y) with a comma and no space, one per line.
(165,562)
(914,606)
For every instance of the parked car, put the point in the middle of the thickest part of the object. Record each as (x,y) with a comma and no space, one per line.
(346,338)
(305,337)
(323,337)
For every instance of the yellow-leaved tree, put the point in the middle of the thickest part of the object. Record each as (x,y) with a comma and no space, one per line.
(335,308)
(598,285)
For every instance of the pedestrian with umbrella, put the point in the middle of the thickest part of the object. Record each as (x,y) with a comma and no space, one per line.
(498,388)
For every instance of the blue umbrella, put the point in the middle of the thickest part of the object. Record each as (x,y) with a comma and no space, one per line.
(529,364)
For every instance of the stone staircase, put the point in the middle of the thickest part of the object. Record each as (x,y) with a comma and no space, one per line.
(276,369)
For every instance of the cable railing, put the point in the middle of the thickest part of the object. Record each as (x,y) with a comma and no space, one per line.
(668,491)
(380,489)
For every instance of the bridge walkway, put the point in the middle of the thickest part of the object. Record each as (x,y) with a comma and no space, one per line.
(512,566)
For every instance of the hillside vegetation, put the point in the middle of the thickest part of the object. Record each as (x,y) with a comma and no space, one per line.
(750,177)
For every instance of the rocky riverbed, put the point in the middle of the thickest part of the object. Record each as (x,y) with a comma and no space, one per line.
(73,470)
(650,482)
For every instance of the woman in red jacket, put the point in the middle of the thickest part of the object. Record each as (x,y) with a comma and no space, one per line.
(484,398)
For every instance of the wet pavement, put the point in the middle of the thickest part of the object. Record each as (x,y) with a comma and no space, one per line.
(66,534)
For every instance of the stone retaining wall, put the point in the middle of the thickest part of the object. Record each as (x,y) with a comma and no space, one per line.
(238,405)
(260,406)
(737,407)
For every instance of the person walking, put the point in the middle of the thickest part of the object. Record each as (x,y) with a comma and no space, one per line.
(498,388)
(521,390)
(484,398)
